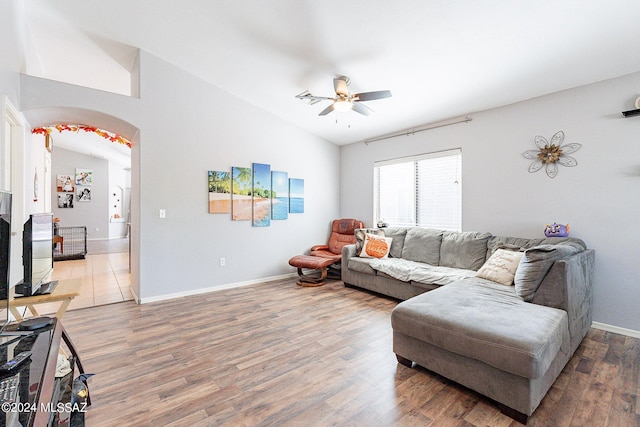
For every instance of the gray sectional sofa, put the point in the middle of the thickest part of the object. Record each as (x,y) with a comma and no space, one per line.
(506,341)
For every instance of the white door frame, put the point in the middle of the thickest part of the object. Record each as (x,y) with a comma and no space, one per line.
(13,137)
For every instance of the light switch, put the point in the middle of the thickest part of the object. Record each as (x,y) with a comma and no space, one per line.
(163,213)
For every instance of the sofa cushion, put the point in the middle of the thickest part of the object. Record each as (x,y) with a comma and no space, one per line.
(361,265)
(501,266)
(360,234)
(537,262)
(422,245)
(466,250)
(398,235)
(487,322)
(375,246)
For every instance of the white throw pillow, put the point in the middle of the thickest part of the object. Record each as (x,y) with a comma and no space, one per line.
(501,266)
(376,246)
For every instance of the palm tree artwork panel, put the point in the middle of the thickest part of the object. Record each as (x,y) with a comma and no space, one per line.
(261,195)
(241,200)
(219,192)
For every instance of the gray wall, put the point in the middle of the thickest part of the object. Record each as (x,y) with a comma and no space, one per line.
(598,198)
(188,127)
(94,214)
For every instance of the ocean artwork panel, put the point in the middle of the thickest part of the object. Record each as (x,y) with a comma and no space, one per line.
(279,195)
(241,201)
(296,195)
(261,195)
(219,192)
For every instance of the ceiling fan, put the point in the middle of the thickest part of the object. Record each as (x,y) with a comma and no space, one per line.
(344,100)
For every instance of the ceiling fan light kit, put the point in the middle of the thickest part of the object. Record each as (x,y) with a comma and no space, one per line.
(345,100)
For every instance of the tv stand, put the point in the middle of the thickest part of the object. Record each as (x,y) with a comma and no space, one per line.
(40,390)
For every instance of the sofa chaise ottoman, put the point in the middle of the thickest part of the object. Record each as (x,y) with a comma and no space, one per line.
(508,340)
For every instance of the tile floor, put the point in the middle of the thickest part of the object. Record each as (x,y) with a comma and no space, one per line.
(105,280)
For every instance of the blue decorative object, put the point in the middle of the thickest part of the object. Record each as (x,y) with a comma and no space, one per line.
(556,230)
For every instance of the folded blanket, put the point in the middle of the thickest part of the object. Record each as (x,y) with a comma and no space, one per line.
(406,270)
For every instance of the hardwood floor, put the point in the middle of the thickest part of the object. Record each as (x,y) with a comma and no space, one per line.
(276,354)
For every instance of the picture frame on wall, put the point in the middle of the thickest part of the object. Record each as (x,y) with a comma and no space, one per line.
(219,192)
(84,177)
(65,184)
(261,195)
(296,195)
(83,194)
(279,195)
(65,200)
(241,200)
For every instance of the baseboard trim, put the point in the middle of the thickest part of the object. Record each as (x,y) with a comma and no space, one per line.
(616,329)
(213,289)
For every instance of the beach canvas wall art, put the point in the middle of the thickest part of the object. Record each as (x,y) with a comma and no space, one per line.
(296,195)
(219,192)
(279,195)
(241,202)
(261,195)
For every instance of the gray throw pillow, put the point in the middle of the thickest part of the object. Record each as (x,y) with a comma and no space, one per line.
(535,265)
(398,235)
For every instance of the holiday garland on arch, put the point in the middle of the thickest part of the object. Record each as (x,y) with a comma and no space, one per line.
(47,130)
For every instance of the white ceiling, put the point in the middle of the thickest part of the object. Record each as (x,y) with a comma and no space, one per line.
(439,58)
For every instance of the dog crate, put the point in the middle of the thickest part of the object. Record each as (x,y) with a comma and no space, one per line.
(69,243)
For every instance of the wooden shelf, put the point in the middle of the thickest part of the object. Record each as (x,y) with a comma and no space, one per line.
(631,113)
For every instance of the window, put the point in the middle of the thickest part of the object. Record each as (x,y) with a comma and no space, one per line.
(423,191)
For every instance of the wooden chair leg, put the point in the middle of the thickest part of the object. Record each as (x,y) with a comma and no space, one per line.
(310,281)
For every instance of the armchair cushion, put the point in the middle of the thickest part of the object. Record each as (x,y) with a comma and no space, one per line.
(342,234)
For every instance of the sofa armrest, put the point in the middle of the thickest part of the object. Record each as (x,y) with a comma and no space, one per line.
(320,248)
(568,286)
(348,251)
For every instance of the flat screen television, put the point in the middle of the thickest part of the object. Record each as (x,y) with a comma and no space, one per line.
(37,254)
(5,255)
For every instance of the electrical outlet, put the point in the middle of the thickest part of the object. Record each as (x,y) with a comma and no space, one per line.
(163,213)
(223,262)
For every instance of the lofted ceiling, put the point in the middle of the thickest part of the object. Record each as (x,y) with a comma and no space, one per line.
(441,59)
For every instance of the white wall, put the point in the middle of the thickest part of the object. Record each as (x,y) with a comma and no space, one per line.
(11,23)
(598,198)
(188,127)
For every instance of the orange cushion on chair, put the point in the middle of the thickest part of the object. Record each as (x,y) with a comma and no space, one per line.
(311,262)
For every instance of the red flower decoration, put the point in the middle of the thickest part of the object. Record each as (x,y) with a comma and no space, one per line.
(46,130)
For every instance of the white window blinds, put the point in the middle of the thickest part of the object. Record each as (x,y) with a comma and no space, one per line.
(423,191)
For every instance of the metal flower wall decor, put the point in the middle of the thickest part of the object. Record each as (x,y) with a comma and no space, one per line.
(549,155)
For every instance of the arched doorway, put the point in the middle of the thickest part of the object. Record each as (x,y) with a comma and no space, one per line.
(80,132)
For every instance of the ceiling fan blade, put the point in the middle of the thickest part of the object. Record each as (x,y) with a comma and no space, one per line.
(340,85)
(361,108)
(327,110)
(370,96)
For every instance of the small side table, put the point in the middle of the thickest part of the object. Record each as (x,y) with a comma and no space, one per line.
(65,292)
